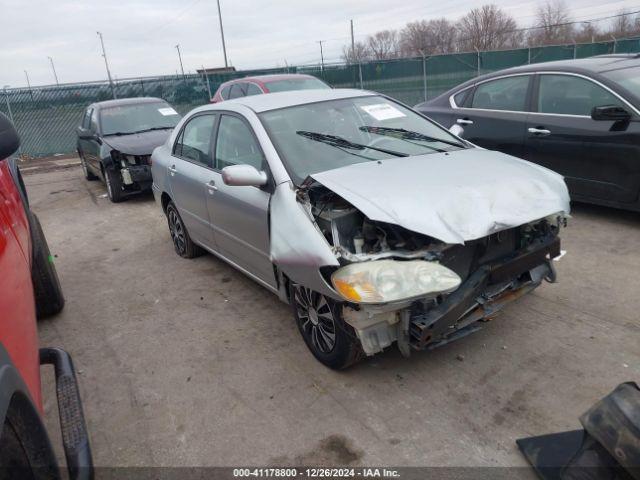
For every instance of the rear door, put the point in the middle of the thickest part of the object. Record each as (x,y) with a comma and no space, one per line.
(599,159)
(494,116)
(240,215)
(189,173)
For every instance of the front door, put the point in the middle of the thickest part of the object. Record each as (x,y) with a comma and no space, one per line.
(496,114)
(189,173)
(240,215)
(598,159)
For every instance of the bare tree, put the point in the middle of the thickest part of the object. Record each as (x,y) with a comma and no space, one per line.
(488,28)
(625,25)
(383,45)
(359,53)
(587,32)
(428,37)
(552,24)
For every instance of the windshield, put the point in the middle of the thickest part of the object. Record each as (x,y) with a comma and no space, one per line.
(133,118)
(322,136)
(295,84)
(628,78)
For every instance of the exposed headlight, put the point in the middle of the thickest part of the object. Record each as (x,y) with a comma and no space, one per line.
(384,281)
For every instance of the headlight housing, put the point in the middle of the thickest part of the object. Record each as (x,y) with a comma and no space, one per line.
(383,281)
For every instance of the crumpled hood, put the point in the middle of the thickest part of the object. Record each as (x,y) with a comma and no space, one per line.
(454,197)
(139,143)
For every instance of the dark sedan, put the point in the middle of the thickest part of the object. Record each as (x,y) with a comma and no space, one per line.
(116,139)
(577,117)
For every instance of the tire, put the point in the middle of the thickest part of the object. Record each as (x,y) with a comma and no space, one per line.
(331,340)
(182,242)
(87,174)
(46,284)
(114,185)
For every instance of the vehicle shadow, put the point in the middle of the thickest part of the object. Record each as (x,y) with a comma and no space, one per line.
(598,212)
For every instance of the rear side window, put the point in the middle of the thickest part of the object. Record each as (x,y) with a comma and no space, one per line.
(253,89)
(225,92)
(460,97)
(194,142)
(503,94)
(86,119)
(569,95)
(236,144)
(237,90)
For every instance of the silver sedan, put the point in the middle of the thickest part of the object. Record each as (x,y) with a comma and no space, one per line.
(376,224)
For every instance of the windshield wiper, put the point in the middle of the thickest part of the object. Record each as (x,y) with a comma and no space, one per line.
(152,129)
(340,142)
(403,134)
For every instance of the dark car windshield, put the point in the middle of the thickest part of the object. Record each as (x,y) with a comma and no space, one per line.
(295,84)
(132,118)
(322,136)
(628,78)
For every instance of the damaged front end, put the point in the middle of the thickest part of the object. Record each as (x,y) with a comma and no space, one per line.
(134,171)
(406,287)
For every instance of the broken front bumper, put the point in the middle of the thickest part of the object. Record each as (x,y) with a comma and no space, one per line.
(137,174)
(479,297)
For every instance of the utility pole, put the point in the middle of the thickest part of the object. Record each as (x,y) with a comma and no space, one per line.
(353,42)
(28,84)
(321,56)
(106,64)
(54,70)
(224,47)
(180,58)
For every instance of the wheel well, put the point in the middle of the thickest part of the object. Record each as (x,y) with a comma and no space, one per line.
(164,201)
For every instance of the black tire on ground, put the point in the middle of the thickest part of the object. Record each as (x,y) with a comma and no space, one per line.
(331,340)
(87,173)
(114,185)
(46,284)
(182,242)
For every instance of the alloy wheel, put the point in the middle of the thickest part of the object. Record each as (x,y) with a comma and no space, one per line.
(316,318)
(177,232)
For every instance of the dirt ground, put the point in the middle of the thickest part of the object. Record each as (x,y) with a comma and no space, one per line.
(188,362)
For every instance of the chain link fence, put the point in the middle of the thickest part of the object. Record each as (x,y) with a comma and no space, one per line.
(46,117)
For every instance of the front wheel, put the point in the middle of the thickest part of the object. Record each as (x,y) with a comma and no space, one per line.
(114,185)
(46,285)
(331,340)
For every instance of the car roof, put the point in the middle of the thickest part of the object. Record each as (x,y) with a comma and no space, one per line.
(127,101)
(262,79)
(600,63)
(274,101)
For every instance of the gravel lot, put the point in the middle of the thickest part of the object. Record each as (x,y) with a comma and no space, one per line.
(188,362)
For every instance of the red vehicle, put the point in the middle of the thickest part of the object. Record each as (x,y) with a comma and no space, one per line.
(243,87)
(30,289)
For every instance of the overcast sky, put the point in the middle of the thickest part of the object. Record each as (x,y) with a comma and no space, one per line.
(140,35)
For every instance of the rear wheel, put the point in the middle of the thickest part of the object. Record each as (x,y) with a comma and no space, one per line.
(46,284)
(182,242)
(87,174)
(332,341)
(114,185)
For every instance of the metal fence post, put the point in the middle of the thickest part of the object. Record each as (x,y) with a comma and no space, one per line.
(6,97)
(360,74)
(478,60)
(529,56)
(424,75)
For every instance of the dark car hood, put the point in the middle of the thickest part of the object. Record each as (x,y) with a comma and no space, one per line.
(139,143)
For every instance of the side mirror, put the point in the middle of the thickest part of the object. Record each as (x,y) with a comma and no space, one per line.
(243,176)
(457,130)
(9,140)
(611,113)
(85,133)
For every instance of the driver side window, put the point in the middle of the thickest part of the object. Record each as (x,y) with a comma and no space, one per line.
(236,144)
(194,142)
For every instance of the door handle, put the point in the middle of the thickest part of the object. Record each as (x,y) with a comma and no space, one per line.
(211,187)
(464,121)
(539,132)
(172,170)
